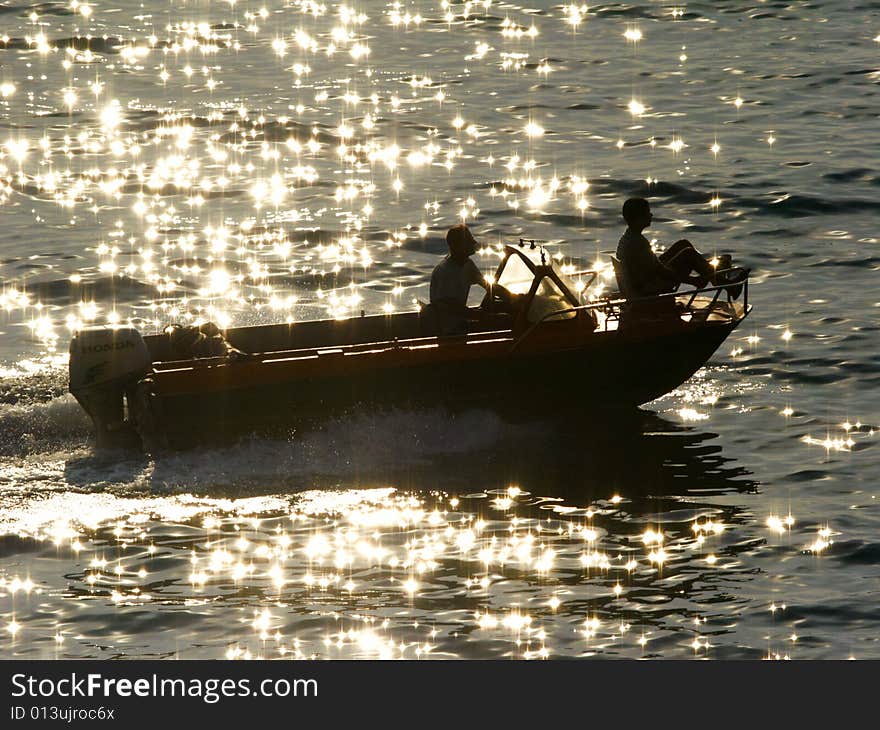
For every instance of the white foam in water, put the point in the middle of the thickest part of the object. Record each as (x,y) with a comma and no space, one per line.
(359,443)
(48,447)
(389,436)
(32,426)
(36,412)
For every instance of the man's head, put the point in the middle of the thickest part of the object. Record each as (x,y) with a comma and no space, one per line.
(637,213)
(460,241)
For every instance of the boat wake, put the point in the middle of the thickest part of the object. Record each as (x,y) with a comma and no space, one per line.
(43,426)
(48,445)
(46,448)
(350,452)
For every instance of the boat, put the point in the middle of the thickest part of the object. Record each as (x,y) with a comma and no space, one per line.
(564,338)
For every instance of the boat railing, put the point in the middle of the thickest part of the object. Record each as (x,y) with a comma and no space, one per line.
(613,305)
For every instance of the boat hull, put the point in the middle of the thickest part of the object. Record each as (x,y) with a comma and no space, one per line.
(180,407)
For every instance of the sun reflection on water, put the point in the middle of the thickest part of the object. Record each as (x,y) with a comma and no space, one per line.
(242,208)
(316,575)
(291,161)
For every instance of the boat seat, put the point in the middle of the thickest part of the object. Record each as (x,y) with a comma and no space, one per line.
(642,310)
(623,282)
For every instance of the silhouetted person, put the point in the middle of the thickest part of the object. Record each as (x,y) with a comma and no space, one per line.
(649,274)
(452,279)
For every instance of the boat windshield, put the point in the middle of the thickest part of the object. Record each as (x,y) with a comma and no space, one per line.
(548,299)
(516,277)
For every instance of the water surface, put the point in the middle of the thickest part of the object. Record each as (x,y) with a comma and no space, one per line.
(248,162)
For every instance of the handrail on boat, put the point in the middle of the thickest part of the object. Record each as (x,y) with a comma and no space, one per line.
(607,303)
(301,352)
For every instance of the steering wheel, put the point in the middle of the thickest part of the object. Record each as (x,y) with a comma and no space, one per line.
(492,303)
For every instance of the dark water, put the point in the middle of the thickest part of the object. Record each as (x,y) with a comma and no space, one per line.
(187,162)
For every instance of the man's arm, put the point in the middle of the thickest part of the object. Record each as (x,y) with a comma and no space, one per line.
(496,289)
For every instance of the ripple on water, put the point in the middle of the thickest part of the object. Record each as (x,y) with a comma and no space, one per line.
(439,534)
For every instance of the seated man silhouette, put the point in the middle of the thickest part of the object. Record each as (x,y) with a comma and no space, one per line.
(649,274)
(452,279)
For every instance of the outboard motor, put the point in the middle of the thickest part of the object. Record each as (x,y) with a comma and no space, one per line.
(105,362)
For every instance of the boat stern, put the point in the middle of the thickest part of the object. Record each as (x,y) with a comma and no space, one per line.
(105,366)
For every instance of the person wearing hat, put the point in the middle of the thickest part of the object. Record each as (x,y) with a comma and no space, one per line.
(452,279)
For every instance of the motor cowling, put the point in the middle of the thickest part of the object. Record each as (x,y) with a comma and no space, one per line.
(104,363)
(102,355)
